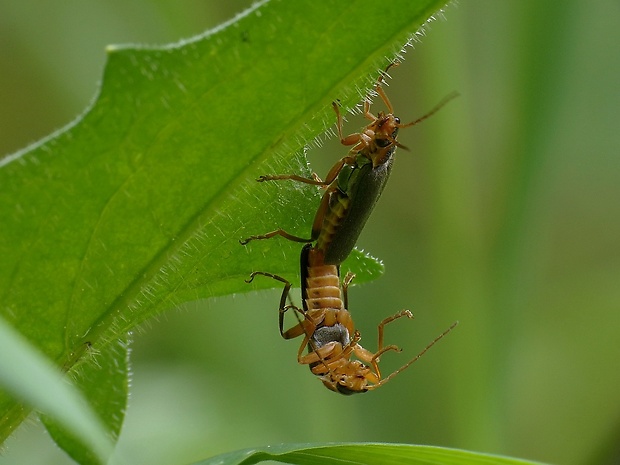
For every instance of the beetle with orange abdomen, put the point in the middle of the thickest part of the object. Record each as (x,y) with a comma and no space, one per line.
(335,354)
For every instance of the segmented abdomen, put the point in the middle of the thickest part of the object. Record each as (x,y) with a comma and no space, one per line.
(338,207)
(323,288)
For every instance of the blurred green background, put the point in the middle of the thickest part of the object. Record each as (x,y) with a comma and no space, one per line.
(505,215)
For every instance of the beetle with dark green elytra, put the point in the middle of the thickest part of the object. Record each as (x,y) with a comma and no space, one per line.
(355,183)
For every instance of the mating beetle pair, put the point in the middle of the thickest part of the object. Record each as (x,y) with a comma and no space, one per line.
(353,186)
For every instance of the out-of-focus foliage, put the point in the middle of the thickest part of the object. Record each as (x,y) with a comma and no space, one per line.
(504,215)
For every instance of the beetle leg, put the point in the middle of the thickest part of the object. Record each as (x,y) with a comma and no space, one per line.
(283,306)
(326,354)
(315,181)
(277,232)
(345,288)
(367,114)
(379,88)
(285,292)
(383,95)
(319,180)
(355,138)
(335,170)
(273,276)
(338,121)
(387,320)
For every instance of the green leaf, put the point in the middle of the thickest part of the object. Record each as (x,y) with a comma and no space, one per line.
(362,454)
(30,377)
(139,204)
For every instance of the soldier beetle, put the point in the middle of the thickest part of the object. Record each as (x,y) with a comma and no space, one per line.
(355,183)
(328,330)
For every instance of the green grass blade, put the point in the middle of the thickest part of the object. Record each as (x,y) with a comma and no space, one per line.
(28,376)
(106,380)
(361,454)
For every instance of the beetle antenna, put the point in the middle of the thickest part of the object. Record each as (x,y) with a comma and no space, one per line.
(434,110)
(416,358)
